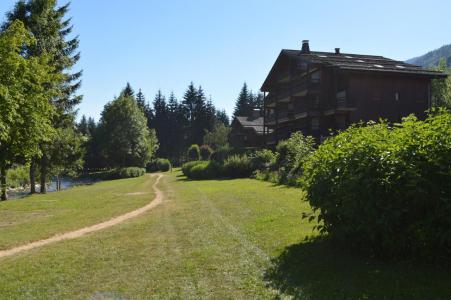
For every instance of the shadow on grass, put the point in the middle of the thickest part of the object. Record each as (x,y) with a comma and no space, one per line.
(316,270)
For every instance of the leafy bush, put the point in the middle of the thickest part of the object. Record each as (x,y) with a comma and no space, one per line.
(128,172)
(205,170)
(186,168)
(163,164)
(201,170)
(263,159)
(387,190)
(18,176)
(205,152)
(118,173)
(221,154)
(238,166)
(291,155)
(193,153)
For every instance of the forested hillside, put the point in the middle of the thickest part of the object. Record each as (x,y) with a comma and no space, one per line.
(433,57)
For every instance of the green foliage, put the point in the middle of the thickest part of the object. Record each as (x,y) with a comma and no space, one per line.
(441,88)
(204,170)
(65,153)
(117,173)
(18,176)
(186,167)
(124,137)
(291,155)
(193,152)
(263,159)
(163,164)
(218,137)
(385,189)
(26,86)
(238,166)
(221,154)
(205,152)
(433,58)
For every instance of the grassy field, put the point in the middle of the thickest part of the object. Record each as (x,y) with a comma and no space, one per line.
(237,239)
(41,216)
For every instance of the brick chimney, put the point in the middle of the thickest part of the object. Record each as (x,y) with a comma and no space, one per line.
(337,50)
(305,47)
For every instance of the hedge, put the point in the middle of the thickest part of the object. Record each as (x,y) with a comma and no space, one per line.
(386,189)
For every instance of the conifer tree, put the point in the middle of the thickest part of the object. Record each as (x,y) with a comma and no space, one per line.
(244,105)
(127,91)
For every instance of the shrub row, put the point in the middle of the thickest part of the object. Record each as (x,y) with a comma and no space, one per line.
(235,166)
(386,190)
(118,173)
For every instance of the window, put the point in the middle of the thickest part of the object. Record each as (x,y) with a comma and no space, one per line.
(397,97)
(315,101)
(315,123)
(315,77)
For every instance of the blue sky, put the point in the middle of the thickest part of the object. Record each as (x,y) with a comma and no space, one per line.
(220,44)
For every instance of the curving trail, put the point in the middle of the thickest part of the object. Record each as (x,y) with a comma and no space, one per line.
(83,231)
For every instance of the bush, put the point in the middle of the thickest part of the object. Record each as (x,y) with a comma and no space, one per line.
(221,154)
(205,152)
(387,190)
(193,153)
(291,155)
(118,173)
(186,167)
(263,159)
(238,166)
(201,169)
(163,164)
(127,172)
(205,170)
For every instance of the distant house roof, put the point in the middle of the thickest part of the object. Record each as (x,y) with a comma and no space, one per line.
(252,123)
(355,62)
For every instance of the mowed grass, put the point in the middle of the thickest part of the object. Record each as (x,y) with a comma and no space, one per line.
(231,239)
(41,216)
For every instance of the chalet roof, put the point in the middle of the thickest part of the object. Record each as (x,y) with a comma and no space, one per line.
(251,122)
(356,62)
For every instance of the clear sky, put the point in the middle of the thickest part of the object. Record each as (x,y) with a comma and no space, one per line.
(220,44)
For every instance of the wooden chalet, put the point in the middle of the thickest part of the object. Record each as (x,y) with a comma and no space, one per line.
(247,132)
(314,92)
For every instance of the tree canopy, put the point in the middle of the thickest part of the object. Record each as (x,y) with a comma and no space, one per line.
(125,139)
(26,85)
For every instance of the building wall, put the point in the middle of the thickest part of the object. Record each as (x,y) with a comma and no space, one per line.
(390,97)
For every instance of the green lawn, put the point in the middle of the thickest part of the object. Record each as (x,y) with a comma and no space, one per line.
(41,216)
(236,239)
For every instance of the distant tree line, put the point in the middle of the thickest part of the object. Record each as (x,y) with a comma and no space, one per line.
(175,124)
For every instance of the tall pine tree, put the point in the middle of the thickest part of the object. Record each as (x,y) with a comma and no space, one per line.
(244,105)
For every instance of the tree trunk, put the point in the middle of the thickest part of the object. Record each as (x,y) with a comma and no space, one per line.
(43,174)
(33,176)
(3,183)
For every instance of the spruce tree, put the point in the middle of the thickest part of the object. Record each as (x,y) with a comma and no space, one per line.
(244,105)
(127,91)
(160,123)
(141,101)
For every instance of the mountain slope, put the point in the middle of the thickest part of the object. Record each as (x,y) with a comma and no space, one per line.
(433,57)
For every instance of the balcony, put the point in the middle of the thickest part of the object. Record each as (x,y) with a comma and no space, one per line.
(295,89)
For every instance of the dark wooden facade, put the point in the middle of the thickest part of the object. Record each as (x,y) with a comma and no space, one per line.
(314,92)
(247,133)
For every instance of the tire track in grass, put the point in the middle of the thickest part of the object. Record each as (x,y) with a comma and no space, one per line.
(93,228)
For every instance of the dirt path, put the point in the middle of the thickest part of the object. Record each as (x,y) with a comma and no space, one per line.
(83,231)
